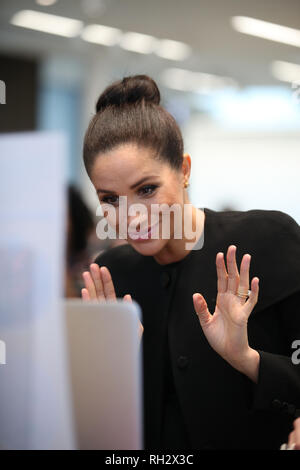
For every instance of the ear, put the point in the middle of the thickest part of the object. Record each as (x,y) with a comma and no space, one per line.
(186,166)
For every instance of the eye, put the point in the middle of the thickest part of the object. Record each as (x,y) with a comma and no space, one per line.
(148,189)
(110,200)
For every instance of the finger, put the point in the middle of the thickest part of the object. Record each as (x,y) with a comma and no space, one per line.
(244,274)
(201,309)
(233,273)
(253,297)
(96,276)
(141,330)
(89,284)
(127,298)
(108,287)
(85,294)
(221,273)
(292,438)
(297,433)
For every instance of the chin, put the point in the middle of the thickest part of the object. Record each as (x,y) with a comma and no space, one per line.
(148,247)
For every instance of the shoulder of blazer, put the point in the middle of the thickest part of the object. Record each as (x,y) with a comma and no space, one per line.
(272,238)
(117,255)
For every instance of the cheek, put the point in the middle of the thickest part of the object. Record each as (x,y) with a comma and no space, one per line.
(167,197)
(170,193)
(110,213)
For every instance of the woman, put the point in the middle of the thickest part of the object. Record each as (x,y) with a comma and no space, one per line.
(214,376)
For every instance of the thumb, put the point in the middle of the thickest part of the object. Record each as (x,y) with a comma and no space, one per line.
(128,298)
(201,309)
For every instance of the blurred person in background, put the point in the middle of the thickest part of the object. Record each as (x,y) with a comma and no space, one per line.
(80,231)
(217,364)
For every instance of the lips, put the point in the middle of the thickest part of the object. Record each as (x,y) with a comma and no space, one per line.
(143,236)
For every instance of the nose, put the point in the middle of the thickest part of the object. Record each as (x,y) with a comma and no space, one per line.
(138,217)
(138,221)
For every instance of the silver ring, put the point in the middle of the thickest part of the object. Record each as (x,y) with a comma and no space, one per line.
(243,296)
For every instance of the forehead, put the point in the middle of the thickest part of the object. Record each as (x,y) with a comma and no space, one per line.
(125,162)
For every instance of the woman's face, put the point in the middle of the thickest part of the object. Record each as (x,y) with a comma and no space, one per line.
(132,171)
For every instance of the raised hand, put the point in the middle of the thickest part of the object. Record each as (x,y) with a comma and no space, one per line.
(226,329)
(99,286)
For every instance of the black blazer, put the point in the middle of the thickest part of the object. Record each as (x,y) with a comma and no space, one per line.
(220,407)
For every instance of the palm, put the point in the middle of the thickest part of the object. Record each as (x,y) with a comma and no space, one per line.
(226,329)
(99,286)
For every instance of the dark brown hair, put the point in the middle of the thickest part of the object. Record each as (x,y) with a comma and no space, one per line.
(129,111)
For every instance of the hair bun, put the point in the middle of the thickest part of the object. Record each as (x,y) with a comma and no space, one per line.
(130,90)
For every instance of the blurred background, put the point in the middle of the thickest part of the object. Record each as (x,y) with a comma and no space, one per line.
(228,70)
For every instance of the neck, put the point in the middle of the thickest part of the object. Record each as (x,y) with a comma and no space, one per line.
(176,249)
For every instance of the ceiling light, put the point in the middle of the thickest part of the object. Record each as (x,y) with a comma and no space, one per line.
(286,71)
(47,23)
(45,3)
(197,82)
(136,42)
(100,34)
(173,50)
(266,30)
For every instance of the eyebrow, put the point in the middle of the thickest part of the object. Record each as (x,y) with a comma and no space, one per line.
(131,187)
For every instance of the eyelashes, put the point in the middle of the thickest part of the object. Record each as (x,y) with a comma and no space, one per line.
(148,189)
(144,191)
(110,200)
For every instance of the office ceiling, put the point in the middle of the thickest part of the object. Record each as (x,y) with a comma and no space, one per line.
(202,24)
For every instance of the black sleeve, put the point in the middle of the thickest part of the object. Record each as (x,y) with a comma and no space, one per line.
(278,385)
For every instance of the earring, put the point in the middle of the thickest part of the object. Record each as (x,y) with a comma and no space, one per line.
(186,184)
